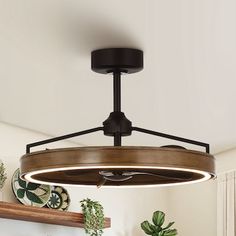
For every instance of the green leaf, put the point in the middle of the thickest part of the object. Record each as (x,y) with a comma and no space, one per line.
(170,232)
(169,225)
(3,175)
(32,186)
(155,228)
(93,217)
(33,197)
(156,234)
(21,182)
(147,228)
(158,218)
(20,193)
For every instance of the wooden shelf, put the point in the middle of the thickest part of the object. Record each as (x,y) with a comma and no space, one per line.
(43,215)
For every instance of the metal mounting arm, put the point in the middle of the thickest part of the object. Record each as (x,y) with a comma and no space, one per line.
(206,145)
(51,140)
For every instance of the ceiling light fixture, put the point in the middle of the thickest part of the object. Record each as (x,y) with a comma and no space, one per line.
(118,165)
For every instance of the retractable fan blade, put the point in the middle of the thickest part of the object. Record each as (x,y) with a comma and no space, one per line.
(114,176)
(101,182)
(157,175)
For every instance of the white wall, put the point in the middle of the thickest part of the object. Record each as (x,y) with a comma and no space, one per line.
(226,161)
(194,207)
(126,207)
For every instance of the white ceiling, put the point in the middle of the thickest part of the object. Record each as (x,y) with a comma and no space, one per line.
(187,87)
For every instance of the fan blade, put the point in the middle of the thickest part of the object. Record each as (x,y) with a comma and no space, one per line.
(117,178)
(114,176)
(106,173)
(101,183)
(157,175)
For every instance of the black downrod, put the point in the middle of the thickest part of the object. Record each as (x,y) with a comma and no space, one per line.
(117,102)
(117,91)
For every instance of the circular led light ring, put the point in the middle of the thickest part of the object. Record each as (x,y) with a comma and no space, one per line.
(206,176)
(90,158)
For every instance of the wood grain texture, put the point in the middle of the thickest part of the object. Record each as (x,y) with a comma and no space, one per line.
(81,166)
(43,215)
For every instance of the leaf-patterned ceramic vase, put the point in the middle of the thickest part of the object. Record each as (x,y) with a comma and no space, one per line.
(30,193)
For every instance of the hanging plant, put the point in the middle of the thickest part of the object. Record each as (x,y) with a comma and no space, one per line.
(3,175)
(157,229)
(93,217)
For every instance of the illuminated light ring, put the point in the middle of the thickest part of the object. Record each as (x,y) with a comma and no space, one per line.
(126,158)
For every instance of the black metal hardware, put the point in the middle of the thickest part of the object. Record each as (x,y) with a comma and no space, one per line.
(117,125)
(117,139)
(172,137)
(117,61)
(117,90)
(63,137)
(107,60)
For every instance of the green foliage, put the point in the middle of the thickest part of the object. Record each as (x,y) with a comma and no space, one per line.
(93,217)
(3,175)
(157,229)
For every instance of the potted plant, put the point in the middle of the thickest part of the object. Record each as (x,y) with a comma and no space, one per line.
(3,177)
(157,229)
(93,217)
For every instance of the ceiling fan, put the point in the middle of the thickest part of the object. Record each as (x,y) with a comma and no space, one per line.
(118,165)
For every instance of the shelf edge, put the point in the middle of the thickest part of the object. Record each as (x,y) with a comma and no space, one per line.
(43,215)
